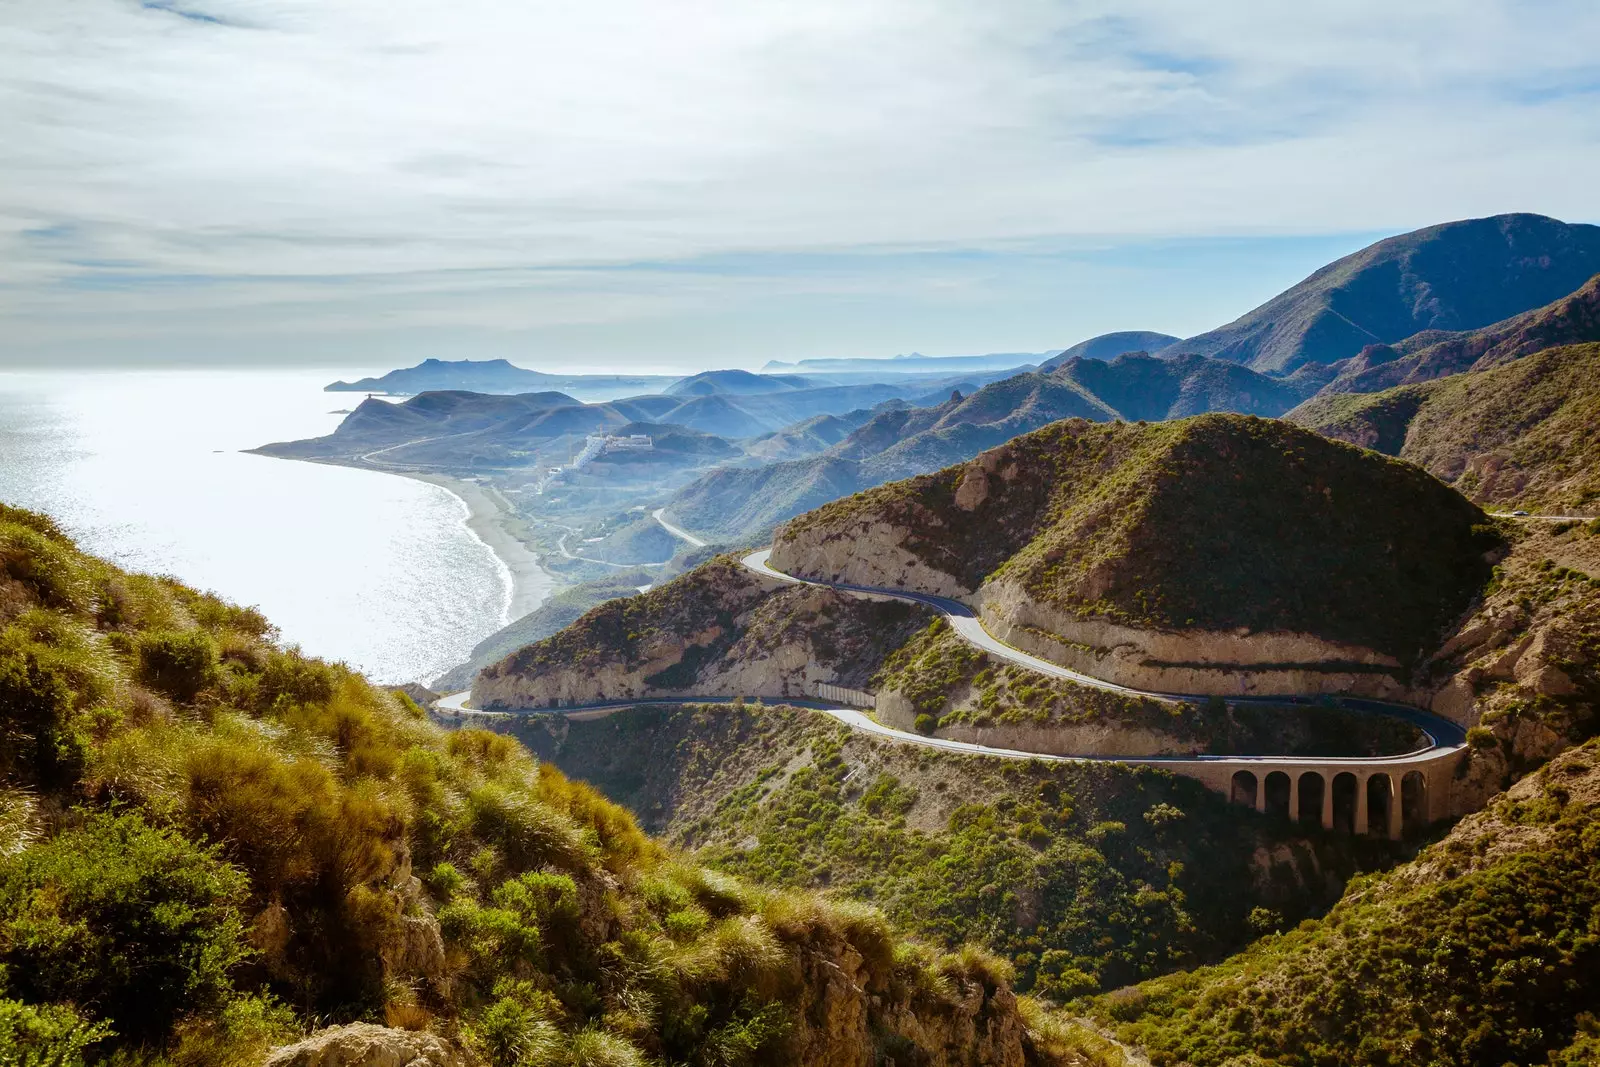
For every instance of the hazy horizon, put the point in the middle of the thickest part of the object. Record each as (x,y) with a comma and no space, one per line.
(355,183)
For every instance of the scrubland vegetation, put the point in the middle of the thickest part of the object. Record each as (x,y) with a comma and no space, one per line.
(1482,951)
(209,843)
(1085,877)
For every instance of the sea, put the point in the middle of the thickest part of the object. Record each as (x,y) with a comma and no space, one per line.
(147,469)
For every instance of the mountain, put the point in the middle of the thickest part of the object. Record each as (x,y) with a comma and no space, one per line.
(491,376)
(1112,345)
(202,828)
(1082,542)
(1518,434)
(736,504)
(1433,354)
(737,382)
(474,431)
(1455,276)
(1140,386)
(816,434)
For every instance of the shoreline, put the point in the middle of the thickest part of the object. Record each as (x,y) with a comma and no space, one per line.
(530,584)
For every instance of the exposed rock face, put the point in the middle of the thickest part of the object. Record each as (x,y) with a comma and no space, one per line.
(366,1045)
(1085,739)
(719,631)
(848,1012)
(870,553)
(1526,664)
(1186,661)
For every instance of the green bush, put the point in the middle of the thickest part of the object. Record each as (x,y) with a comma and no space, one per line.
(136,920)
(177,663)
(925,724)
(37,736)
(51,1035)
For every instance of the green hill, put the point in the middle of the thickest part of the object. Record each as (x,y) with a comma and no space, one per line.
(1521,434)
(1141,386)
(1479,953)
(1455,276)
(1218,522)
(209,844)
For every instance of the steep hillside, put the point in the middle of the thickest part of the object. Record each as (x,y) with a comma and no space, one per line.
(1521,434)
(1174,554)
(735,505)
(1524,668)
(209,843)
(1573,319)
(717,631)
(1085,876)
(560,611)
(1481,952)
(1112,345)
(1141,386)
(1456,276)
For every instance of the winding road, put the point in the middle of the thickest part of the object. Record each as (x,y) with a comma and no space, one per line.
(1446,739)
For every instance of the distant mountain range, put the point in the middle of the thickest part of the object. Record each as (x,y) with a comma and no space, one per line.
(741,504)
(476,431)
(1408,309)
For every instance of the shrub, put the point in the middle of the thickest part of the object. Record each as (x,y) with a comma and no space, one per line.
(50,1035)
(137,920)
(44,565)
(36,702)
(177,663)
(925,724)
(526,832)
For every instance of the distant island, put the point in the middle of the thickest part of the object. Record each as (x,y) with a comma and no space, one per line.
(492,376)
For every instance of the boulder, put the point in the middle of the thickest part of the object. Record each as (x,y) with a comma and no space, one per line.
(367,1045)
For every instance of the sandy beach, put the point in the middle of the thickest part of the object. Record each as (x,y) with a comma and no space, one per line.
(487,516)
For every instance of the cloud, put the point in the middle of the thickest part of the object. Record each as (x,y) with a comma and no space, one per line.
(330,153)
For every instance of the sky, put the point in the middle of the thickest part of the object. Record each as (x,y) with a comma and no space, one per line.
(639,184)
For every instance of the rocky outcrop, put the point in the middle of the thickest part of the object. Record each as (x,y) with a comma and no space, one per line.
(1525,666)
(366,1045)
(1237,663)
(852,1017)
(719,631)
(869,553)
